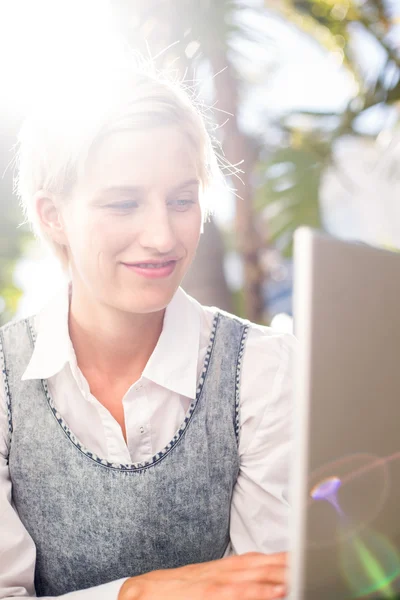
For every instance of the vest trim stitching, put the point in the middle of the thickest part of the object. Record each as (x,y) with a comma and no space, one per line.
(237,380)
(6,388)
(166,450)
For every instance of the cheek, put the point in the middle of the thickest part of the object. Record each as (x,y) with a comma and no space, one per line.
(108,236)
(190,230)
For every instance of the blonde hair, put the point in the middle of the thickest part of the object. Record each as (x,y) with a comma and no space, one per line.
(56,140)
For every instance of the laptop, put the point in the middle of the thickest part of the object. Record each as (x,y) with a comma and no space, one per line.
(345,487)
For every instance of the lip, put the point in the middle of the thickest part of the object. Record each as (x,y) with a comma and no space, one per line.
(152,272)
(152,261)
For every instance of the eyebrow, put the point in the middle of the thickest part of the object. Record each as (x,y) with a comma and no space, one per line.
(128,189)
(193,181)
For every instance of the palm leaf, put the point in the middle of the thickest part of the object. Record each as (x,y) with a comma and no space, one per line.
(288,196)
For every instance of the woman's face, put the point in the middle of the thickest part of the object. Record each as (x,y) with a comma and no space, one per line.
(137,202)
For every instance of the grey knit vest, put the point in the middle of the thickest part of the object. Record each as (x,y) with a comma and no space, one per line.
(93,521)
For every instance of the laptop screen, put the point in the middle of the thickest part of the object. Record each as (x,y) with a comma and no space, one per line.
(346,490)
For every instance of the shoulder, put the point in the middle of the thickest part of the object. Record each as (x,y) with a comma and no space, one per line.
(268,353)
(259,338)
(17,339)
(262,338)
(14,327)
(211,315)
(11,347)
(14,324)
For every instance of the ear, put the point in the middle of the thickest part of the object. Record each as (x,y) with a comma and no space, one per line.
(49,214)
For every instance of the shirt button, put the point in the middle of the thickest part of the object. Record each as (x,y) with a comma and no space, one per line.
(141,430)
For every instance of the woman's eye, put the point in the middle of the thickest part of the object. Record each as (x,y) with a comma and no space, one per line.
(126,205)
(182,203)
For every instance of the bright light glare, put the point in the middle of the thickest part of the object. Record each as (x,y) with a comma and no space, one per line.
(54,46)
(283,323)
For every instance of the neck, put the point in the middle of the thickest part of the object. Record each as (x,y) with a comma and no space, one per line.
(109,341)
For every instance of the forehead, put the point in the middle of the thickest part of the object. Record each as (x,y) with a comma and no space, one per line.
(155,157)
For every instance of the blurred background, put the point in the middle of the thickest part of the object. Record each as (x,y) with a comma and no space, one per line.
(305,98)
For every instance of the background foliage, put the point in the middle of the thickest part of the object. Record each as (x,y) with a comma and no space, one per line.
(224,48)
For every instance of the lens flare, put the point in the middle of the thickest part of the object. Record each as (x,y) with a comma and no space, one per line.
(369,562)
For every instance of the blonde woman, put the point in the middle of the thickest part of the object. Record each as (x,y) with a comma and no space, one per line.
(143,436)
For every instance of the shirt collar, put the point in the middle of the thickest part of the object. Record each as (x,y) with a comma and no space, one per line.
(173,363)
(53,346)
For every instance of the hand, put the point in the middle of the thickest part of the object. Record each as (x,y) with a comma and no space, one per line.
(250,576)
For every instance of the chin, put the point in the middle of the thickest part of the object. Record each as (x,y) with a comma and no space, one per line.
(149,302)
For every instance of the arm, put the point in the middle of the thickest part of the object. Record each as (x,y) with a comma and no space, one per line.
(260,509)
(17,549)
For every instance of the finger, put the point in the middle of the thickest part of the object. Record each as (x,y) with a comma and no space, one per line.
(255,559)
(275,575)
(273,558)
(259,592)
(232,564)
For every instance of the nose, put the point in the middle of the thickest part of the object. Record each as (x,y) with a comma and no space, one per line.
(158,233)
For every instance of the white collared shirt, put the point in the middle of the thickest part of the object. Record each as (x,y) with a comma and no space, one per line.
(154,407)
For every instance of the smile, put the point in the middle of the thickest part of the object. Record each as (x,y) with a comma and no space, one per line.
(153,266)
(152,270)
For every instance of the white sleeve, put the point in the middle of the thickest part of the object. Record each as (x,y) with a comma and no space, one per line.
(260,509)
(17,549)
